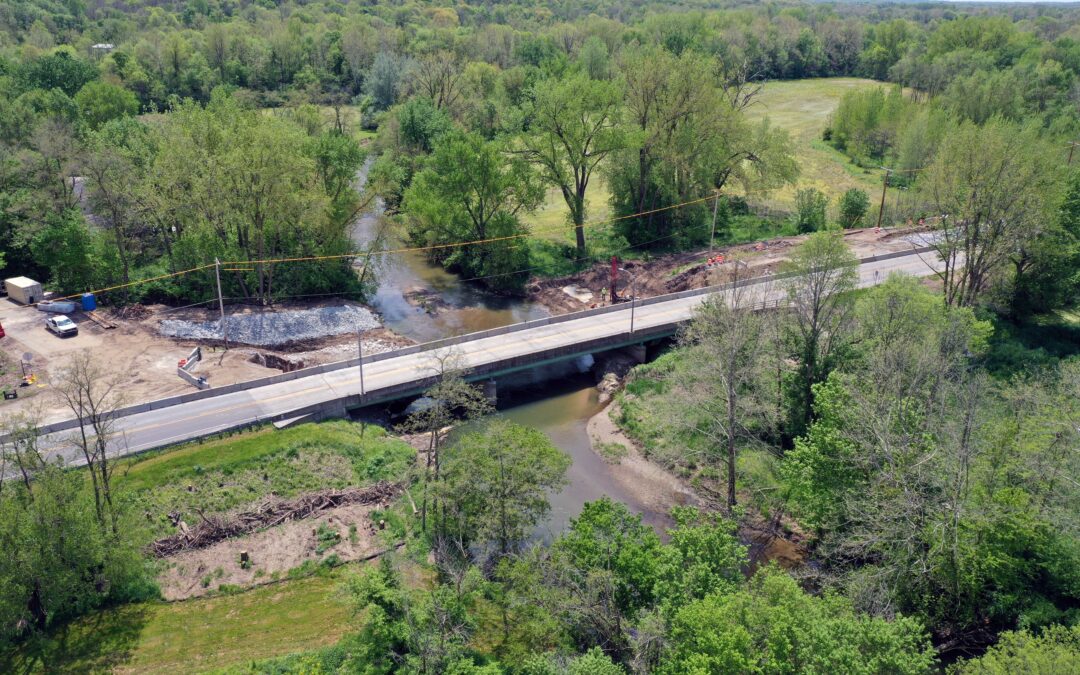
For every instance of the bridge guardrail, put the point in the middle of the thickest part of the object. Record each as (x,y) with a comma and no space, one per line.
(435,345)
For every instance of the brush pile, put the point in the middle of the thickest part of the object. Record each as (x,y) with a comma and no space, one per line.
(269,513)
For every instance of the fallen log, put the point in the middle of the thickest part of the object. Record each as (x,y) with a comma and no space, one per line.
(267,514)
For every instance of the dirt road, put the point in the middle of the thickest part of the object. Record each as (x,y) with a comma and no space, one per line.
(684,271)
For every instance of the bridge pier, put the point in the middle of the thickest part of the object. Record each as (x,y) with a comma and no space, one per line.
(491,392)
(332,410)
(636,352)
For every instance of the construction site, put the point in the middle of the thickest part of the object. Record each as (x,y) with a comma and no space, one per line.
(157,351)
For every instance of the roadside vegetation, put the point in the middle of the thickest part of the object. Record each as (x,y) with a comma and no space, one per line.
(919,440)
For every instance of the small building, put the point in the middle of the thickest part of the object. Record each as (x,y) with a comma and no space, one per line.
(103,47)
(26,291)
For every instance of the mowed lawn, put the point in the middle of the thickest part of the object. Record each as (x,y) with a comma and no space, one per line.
(803,107)
(195,635)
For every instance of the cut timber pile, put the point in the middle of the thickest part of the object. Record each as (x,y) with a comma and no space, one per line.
(269,513)
(100,320)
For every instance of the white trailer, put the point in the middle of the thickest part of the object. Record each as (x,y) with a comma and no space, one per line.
(26,291)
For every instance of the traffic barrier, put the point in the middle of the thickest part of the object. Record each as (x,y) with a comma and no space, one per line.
(443,343)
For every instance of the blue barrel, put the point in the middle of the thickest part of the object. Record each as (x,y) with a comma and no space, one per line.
(89,302)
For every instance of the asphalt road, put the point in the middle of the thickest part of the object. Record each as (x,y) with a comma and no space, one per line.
(157,428)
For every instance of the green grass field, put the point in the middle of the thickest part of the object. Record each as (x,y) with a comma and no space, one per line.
(195,635)
(803,107)
(550,220)
(268,621)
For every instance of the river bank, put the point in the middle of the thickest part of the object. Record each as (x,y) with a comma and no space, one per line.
(675,272)
(659,490)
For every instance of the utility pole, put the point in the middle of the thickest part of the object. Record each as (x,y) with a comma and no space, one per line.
(221,304)
(884,186)
(712,237)
(360,350)
(614,278)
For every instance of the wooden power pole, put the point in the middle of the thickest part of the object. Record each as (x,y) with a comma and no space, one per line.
(884,187)
(221,304)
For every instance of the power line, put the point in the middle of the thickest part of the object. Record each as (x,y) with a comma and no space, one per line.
(409,249)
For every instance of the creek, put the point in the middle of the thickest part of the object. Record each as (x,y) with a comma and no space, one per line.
(456,308)
(558,399)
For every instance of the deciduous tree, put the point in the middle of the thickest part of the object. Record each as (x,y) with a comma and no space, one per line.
(571,126)
(991,185)
(823,270)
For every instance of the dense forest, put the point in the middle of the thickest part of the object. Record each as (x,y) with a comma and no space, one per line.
(109,175)
(921,439)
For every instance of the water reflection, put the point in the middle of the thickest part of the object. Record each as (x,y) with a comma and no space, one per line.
(458,308)
(561,408)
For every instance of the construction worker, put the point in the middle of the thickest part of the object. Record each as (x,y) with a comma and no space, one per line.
(603,296)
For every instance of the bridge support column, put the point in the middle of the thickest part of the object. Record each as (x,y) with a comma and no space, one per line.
(491,392)
(637,352)
(332,410)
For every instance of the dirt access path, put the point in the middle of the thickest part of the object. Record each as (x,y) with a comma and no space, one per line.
(684,271)
(145,361)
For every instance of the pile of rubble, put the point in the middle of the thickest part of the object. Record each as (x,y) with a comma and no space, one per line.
(271,328)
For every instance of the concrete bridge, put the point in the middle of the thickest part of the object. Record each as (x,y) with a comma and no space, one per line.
(333,389)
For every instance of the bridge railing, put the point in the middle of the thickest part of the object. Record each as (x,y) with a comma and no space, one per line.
(436,345)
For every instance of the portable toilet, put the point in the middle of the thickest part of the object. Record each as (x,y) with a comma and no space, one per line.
(26,291)
(89,302)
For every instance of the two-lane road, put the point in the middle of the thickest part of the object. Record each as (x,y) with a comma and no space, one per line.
(185,421)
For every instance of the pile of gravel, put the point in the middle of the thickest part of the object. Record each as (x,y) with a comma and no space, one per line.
(929,238)
(267,329)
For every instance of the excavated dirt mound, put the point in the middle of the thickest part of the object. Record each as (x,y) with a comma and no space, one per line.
(685,271)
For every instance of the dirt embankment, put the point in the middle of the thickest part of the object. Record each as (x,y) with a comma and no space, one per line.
(685,271)
(345,532)
(660,490)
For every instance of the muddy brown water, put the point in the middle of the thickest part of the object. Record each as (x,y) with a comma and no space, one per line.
(462,308)
(560,405)
(557,399)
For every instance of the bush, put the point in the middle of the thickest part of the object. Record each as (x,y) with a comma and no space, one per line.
(810,207)
(853,207)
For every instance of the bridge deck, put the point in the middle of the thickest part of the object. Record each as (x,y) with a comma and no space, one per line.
(396,376)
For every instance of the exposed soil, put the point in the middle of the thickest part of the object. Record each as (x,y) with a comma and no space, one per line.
(684,271)
(768,541)
(146,361)
(273,552)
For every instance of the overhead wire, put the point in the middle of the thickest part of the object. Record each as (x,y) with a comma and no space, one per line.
(361,254)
